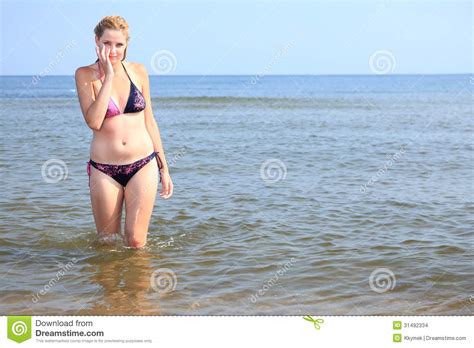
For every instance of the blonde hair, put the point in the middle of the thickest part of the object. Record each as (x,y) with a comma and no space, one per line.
(114,23)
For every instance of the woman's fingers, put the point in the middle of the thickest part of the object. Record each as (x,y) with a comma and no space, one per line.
(107,55)
(100,53)
(103,53)
(97,50)
(167,190)
(164,190)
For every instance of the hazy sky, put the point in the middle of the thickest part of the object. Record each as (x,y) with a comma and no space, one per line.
(244,37)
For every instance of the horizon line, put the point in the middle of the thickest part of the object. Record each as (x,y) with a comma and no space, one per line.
(262,75)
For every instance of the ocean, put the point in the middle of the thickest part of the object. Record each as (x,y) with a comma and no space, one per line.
(293,195)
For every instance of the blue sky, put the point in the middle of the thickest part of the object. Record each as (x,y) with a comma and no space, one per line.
(244,37)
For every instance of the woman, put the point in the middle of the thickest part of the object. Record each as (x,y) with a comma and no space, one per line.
(115,100)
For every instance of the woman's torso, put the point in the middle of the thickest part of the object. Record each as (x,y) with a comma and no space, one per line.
(123,138)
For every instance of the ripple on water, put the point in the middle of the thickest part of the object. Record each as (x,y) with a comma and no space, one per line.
(449,249)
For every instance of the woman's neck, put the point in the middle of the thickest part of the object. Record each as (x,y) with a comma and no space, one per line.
(118,69)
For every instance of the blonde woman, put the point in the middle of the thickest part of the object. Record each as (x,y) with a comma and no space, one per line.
(114,96)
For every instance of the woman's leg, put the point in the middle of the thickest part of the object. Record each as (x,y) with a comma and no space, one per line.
(140,195)
(107,201)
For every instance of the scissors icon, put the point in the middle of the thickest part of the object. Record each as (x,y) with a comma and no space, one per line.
(316,322)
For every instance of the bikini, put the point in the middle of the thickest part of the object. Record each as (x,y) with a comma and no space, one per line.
(122,173)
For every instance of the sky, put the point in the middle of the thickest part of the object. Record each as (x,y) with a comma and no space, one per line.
(55,37)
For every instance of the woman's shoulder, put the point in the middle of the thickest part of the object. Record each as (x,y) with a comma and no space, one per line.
(87,71)
(137,68)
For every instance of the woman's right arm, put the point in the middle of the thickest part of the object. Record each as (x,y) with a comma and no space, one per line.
(93,109)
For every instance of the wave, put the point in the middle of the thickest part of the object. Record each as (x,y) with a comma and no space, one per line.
(222,101)
(264,102)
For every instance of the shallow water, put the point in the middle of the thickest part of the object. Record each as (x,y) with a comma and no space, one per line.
(289,194)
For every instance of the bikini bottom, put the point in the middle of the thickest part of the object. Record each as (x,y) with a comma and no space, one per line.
(122,173)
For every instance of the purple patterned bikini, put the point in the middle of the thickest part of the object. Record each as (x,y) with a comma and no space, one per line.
(122,173)
(135,102)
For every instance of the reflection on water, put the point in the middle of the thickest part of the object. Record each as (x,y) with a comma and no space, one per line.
(124,280)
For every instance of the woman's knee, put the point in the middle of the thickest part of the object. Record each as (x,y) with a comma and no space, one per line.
(134,241)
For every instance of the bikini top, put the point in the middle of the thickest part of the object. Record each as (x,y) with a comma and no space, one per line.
(135,102)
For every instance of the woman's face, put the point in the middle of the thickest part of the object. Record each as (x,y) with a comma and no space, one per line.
(116,41)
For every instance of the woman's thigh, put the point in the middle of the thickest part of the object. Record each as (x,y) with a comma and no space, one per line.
(140,195)
(107,202)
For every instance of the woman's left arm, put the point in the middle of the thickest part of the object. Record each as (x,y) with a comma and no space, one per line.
(154,131)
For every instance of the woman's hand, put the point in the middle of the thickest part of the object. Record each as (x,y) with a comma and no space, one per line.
(166,185)
(104,60)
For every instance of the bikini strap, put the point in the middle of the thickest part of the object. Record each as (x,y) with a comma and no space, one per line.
(126,71)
